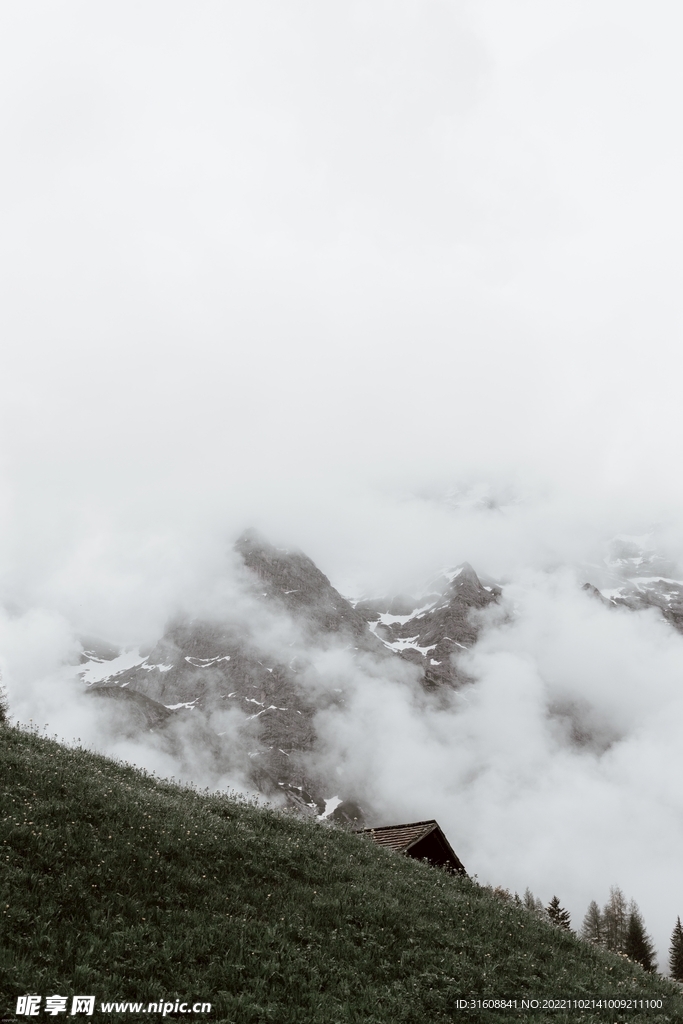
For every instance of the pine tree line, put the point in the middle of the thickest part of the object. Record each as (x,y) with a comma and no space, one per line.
(535,905)
(619,926)
(553,912)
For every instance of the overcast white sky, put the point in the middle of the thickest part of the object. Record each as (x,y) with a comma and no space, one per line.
(294,264)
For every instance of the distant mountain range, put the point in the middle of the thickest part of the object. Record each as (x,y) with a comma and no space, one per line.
(636,578)
(201,668)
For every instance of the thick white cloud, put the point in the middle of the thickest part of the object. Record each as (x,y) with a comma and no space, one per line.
(557,768)
(257,260)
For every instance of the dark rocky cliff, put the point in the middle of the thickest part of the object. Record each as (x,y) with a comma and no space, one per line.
(200,668)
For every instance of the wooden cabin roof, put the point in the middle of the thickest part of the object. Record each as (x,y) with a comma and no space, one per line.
(400,837)
(409,839)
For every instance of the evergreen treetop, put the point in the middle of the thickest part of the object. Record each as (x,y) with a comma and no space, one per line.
(615,920)
(592,929)
(676,952)
(638,945)
(557,914)
(533,903)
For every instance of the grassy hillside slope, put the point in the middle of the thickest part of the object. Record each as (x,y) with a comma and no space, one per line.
(118,885)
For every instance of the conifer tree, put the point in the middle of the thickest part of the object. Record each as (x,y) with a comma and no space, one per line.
(676,952)
(592,929)
(4,706)
(533,903)
(638,945)
(615,920)
(557,914)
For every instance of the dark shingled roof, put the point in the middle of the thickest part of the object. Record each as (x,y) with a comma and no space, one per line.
(419,839)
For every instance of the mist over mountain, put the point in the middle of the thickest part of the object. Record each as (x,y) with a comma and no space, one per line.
(539,707)
(268,665)
(398,286)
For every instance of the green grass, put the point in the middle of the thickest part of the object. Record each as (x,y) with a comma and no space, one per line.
(118,885)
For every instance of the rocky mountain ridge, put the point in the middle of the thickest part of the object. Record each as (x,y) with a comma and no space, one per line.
(635,577)
(203,669)
(432,629)
(260,667)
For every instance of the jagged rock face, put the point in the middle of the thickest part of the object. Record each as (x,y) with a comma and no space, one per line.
(639,579)
(437,627)
(199,669)
(188,739)
(204,668)
(662,593)
(594,592)
(138,712)
(294,581)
